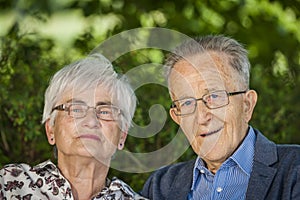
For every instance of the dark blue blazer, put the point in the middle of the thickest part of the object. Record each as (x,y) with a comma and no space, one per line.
(275,175)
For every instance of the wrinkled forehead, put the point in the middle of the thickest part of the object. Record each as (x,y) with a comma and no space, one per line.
(207,71)
(90,95)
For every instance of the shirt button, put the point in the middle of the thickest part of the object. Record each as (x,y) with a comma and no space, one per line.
(219,189)
(202,171)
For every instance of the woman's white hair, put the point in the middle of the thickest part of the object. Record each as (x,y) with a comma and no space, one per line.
(88,73)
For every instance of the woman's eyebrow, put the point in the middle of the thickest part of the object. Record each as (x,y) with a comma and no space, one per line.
(83,102)
(75,101)
(103,103)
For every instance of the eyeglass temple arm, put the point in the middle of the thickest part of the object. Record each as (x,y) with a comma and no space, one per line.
(235,93)
(59,107)
(173,105)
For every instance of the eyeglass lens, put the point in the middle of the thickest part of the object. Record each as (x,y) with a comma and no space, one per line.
(105,112)
(212,100)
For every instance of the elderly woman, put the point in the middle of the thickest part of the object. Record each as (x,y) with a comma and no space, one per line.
(88,110)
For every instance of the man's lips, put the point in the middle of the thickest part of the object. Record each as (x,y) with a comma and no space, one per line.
(90,136)
(210,133)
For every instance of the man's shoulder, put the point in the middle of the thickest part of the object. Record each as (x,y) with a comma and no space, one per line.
(170,182)
(289,147)
(289,151)
(175,172)
(269,152)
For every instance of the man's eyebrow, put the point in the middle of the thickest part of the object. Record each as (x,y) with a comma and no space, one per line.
(183,96)
(210,89)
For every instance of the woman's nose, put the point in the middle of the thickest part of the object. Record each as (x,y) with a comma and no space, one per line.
(91,120)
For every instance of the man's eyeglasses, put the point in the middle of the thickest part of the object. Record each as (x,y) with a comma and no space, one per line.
(79,110)
(213,100)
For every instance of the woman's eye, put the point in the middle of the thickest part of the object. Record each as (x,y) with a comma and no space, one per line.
(77,110)
(104,112)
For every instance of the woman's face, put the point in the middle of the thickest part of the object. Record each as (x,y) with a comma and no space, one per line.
(89,136)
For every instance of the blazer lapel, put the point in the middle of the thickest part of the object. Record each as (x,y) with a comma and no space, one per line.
(182,183)
(260,181)
(262,173)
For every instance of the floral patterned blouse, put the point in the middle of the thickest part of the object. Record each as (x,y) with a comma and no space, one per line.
(44,181)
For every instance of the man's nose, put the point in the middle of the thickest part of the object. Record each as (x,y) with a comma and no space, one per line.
(203,113)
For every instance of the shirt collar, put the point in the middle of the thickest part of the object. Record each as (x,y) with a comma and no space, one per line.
(199,165)
(243,157)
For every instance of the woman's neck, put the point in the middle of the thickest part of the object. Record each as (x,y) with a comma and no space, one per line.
(87,176)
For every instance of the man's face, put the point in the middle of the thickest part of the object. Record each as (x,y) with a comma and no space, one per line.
(214,134)
(88,136)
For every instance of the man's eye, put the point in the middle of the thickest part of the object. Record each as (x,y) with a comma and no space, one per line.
(213,96)
(187,103)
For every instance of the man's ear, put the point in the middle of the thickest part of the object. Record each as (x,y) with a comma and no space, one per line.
(175,118)
(122,139)
(50,132)
(250,100)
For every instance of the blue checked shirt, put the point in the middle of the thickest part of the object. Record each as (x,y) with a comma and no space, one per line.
(231,180)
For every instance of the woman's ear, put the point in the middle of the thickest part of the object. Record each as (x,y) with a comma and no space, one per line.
(122,139)
(249,104)
(50,132)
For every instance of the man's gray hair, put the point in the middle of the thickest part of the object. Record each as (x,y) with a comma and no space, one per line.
(88,73)
(237,54)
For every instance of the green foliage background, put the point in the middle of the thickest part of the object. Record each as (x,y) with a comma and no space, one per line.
(39,37)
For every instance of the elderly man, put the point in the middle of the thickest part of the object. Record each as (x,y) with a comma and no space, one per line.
(209,84)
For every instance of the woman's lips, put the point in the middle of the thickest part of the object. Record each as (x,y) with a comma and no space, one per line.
(90,136)
(210,133)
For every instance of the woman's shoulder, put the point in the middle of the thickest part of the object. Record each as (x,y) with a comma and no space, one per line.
(23,181)
(118,189)
(16,169)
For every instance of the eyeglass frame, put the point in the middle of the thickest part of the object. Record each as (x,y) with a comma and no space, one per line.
(173,105)
(64,107)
